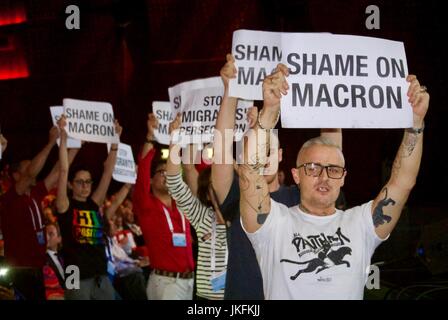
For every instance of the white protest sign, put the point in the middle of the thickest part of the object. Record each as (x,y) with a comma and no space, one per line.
(162,111)
(256,54)
(56,113)
(90,121)
(199,101)
(124,170)
(338,81)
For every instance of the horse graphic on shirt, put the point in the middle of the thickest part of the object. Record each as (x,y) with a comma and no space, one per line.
(335,257)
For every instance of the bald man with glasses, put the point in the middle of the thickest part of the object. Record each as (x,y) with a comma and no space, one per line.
(313,250)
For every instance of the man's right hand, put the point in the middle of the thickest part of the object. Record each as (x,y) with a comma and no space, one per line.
(274,86)
(228,71)
(62,122)
(54,135)
(152,123)
(175,124)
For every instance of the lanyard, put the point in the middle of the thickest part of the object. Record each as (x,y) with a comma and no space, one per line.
(170,223)
(38,216)
(213,250)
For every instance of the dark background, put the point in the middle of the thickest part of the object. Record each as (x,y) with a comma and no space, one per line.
(129,52)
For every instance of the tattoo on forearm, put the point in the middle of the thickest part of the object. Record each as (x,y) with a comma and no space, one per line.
(409,144)
(378,215)
(258,192)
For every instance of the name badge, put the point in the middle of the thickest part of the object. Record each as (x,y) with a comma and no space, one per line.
(110,268)
(218,281)
(179,240)
(40,237)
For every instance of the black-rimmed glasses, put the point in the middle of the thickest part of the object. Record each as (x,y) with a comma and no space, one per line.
(81,182)
(315,170)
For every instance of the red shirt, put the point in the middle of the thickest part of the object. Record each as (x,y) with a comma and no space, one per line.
(22,224)
(162,253)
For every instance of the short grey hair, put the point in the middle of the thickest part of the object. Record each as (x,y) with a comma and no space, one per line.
(322,141)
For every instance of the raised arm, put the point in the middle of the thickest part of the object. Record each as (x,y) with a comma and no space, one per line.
(100,192)
(37,162)
(174,161)
(255,202)
(222,166)
(388,205)
(52,179)
(62,202)
(151,124)
(186,201)
(173,165)
(142,187)
(120,196)
(190,173)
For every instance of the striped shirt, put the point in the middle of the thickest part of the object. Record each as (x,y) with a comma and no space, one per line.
(202,219)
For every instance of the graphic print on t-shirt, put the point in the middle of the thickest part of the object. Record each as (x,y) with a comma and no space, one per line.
(87,227)
(321,248)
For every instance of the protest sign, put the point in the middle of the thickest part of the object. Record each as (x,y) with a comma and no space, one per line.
(162,111)
(335,81)
(124,170)
(199,101)
(90,121)
(56,113)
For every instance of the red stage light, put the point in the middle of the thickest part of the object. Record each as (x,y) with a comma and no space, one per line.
(12,14)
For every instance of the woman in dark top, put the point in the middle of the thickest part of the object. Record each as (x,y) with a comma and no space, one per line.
(82,226)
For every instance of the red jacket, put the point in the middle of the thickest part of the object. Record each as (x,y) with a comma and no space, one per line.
(151,216)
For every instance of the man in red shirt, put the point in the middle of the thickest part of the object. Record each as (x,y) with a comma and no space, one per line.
(166,231)
(22,220)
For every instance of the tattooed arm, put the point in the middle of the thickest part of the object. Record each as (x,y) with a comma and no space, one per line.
(387,207)
(261,149)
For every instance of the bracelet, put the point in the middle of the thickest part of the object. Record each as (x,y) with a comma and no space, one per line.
(259,122)
(114,149)
(416,130)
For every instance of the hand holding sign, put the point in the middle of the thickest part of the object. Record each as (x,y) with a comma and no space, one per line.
(173,129)
(419,99)
(61,123)
(274,86)
(175,124)
(90,121)
(228,71)
(152,124)
(118,128)
(53,135)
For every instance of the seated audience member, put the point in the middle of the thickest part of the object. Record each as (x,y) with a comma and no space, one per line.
(54,274)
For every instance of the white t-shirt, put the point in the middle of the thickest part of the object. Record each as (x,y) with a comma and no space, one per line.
(302,256)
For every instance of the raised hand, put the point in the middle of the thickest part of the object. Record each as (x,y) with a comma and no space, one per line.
(61,123)
(228,71)
(53,135)
(175,124)
(275,85)
(419,99)
(118,128)
(152,123)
